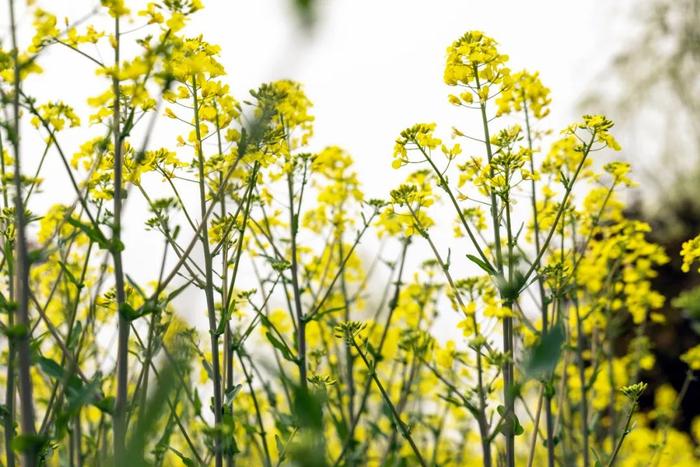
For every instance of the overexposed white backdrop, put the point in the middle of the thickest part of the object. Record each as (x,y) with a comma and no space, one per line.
(371,68)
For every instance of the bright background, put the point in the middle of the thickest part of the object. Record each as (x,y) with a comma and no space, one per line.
(371,68)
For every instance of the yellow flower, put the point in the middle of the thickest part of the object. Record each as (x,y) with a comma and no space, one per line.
(474,58)
(692,357)
(116,8)
(420,136)
(690,252)
(176,22)
(521,90)
(45,29)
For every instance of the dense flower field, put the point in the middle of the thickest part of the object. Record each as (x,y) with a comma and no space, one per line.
(314,354)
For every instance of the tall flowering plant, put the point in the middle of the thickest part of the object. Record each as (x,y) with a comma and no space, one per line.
(298,349)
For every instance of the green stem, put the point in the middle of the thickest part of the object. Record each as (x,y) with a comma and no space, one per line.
(301,321)
(258,415)
(349,361)
(442,181)
(21,266)
(401,426)
(508,321)
(508,350)
(209,282)
(481,418)
(562,208)
(494,200)
(120,406)
(10,388)
(624,434)
(393,304)
(549,419)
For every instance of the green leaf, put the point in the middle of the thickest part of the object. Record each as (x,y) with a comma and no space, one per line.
(509,291)
(74,338)
(149,307)
(308,410)
(92,233)
(128,312)
(545,354)
(517,427)
(29,443)
(84,394)
(208,368)
(689,302)
(9,255)
(70,276)
(281,448)
(231,393)
(16,331)
(306,11)
(127,127)
(197,405)
(4,413)
(489,270)
(7,306)
(223,322)
(148,427)
(185,460)
(37,255)
(172,295)
(106,404)
(295,224)
(50,367)
(281,346)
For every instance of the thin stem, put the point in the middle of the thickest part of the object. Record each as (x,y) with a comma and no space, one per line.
(658,450)
(535,430)
(393,304)
(623,435)
(21,266)
(10,384)
(507,321)
(401,426)
(301,321)
(549,420)
(508,350)
(443,183)
(258,416)
(481,414)
(209,282)
(120,406)
(10,389)
(580,348)
(228,350)
(349,360)
(494,200)
(560,211)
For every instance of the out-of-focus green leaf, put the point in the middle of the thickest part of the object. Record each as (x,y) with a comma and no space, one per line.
(545,354)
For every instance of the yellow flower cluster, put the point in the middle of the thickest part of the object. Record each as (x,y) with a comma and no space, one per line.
(55,115)
(474,63)
(319,351)
(692,357)
(289,108)
(524,90)
(690,252)
(420,136)
(338,189)
(116,8)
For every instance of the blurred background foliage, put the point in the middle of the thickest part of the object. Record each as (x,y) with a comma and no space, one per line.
(651,88)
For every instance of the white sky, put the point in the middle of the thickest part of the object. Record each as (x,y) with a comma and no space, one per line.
(372,68)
